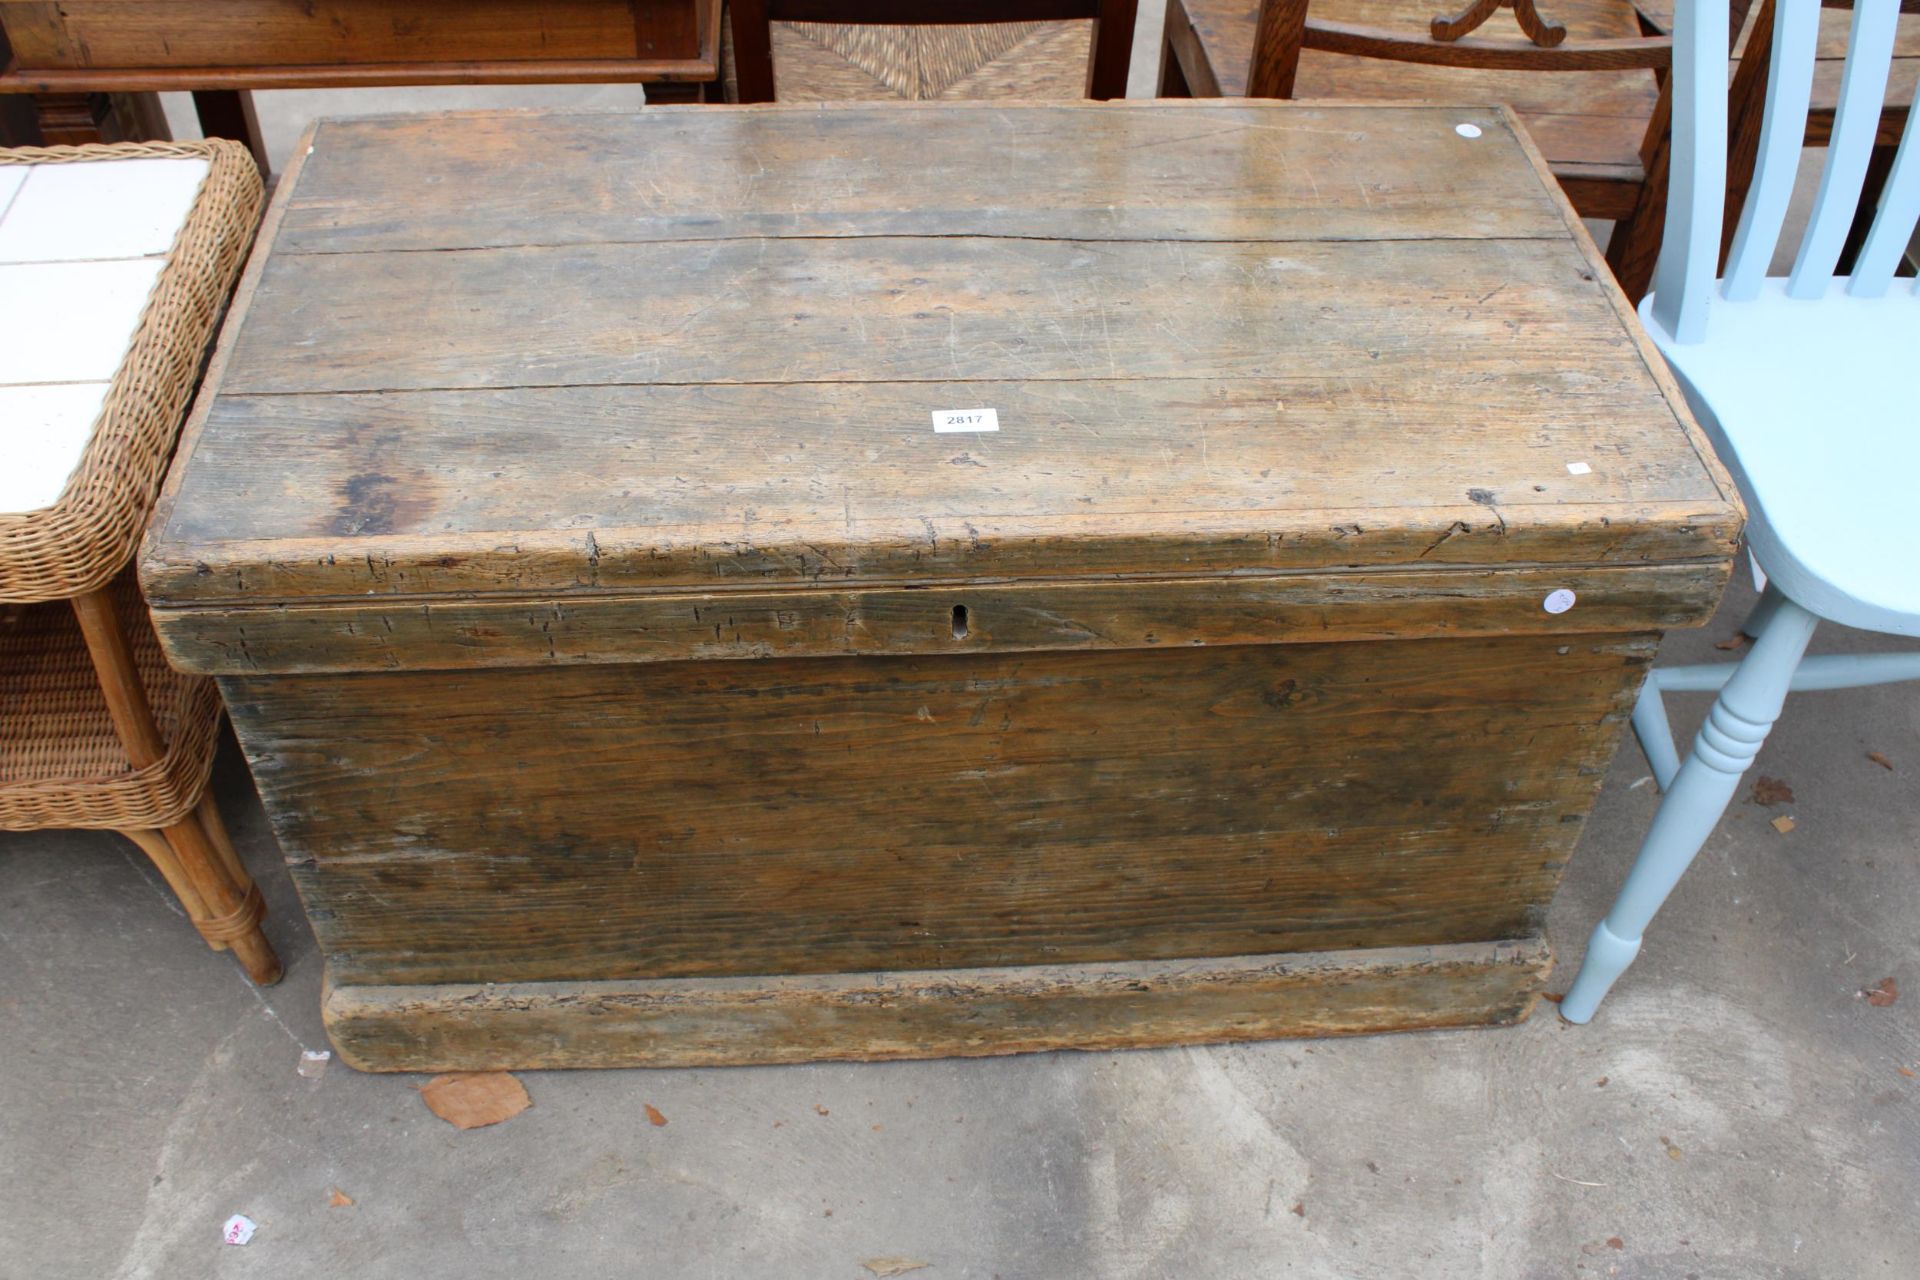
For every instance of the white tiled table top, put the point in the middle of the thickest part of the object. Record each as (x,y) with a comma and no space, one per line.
(80,247)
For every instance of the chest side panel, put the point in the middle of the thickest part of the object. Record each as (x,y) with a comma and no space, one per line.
(831,815)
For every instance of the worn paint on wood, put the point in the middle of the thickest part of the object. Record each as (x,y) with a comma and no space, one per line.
(839,170)
(822,815)
(591,407)
(932,618)
(704,1022)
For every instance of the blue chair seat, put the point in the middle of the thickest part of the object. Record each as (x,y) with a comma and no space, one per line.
(1828,466)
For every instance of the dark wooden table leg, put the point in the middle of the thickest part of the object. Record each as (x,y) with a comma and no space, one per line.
(75,119)
(1112,49)
(1634,246)
(752,49)
(1173,81)
(675,91)
(228,113)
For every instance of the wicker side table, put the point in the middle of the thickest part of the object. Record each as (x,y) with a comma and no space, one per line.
(96,730)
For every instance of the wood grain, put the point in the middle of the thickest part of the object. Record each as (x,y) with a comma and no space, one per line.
(853,485)
(841,814)
(952,552)
(446,491)
(703,1022)
(169,33)
(81,45)
(426,463)
(921,309)
(1214,171)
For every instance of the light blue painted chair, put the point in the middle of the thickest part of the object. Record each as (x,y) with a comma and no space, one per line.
(1809,385)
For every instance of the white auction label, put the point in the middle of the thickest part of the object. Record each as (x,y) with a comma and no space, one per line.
(1558,601)
(945,420)
(1579,469)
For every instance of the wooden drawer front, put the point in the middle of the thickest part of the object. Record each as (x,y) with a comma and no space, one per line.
(841,815)
(135,34)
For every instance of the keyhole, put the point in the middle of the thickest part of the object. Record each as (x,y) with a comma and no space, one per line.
(959,622)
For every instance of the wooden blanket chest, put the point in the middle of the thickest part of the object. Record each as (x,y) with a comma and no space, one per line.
(767,584)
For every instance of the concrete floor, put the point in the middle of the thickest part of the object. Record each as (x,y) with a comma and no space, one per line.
(1735,1111)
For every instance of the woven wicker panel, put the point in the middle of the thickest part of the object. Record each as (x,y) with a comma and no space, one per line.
(820,62)
(84,539)
(61,763)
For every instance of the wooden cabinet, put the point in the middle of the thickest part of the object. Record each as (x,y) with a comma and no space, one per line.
(166,44)
(70,52)
(638,669)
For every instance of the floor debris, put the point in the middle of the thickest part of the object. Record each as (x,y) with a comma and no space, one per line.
(313,1063)
(653,1115)
(894,1266)
(1880,759)
(475,1099)
(1882,995)
(238,1229)
(1770,791)
(1783,824)
(338,1199)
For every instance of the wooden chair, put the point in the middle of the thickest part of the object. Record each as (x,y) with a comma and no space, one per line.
(1807,385)
(751,26)
(1747,101)
(1589,90)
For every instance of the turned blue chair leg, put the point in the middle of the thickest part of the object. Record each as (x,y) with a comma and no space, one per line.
(1727,743)
(1655,734)
(1762,612)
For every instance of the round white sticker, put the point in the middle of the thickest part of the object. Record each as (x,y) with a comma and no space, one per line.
(1467,130)
(1558,601)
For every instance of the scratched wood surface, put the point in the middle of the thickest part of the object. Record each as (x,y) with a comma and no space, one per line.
(823,815)
(600,613)
(444,635)
(704,1022)
(1150,172)
(459,369)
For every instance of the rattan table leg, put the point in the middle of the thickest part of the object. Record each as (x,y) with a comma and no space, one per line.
(238,908)
(160,853)
(230,905)
(223,843)
(119,677)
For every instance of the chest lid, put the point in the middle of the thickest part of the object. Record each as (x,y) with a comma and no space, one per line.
(775,349)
